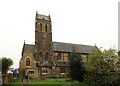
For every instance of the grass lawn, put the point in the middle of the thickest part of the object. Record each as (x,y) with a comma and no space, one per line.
(56,82)
(49,82)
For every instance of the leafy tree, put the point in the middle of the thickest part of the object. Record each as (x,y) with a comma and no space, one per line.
(100,65)
(76,69)
(109,57)
(6,63)
(119,53)
(101,61)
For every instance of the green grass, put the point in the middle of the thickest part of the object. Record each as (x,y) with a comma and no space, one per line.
(49,82)
(57,82)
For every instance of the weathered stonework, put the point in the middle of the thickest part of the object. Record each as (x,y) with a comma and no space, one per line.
(47,58)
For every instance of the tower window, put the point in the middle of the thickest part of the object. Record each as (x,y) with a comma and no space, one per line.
(40,54)
(59,56)
(46,55)
(28,62)
(46,28)
(68,57)
(40,27)
(36,25)
(50,27)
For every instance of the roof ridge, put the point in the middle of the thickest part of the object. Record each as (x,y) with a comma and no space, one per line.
(74,44)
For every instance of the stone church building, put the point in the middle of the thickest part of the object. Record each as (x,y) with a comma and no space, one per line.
(45,57)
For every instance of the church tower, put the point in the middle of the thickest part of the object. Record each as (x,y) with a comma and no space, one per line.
(43,37)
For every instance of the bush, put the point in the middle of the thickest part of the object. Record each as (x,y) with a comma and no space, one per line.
(111,78)
(93,78)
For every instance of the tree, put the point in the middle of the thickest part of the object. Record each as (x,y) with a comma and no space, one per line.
(110,56)
(119,53)
(76,69)
(6,63)
(101,61)
(96,62)
(101,68)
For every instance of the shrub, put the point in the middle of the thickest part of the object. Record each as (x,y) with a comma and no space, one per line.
(111,78)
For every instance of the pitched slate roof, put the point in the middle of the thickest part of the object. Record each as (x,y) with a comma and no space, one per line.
(57,63)
(64,47)
(44,64)
(50,64)
(67,47)
(32,48)
(39,16)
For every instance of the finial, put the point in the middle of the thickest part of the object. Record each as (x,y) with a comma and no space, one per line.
(49,17)
(36,12)
(24,41)
(49,14)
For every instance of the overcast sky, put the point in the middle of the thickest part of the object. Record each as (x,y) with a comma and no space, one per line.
(87,22)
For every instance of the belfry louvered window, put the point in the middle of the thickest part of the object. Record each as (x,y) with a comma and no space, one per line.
(50,27)
(40,27)
(46,28)
(27,62)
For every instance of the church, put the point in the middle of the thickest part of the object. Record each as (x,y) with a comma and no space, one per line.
(46,58)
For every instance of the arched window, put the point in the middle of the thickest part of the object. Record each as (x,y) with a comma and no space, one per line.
(46,55)
(36,25)
(40,54)
(50,27)
(63,56)
(40,27)
(27,62)
(59,56)
(68,56)
(46,28)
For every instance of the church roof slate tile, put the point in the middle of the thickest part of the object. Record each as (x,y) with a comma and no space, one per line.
(58,63)
(44,64)
(50,64)
(32,48)
(65,47)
